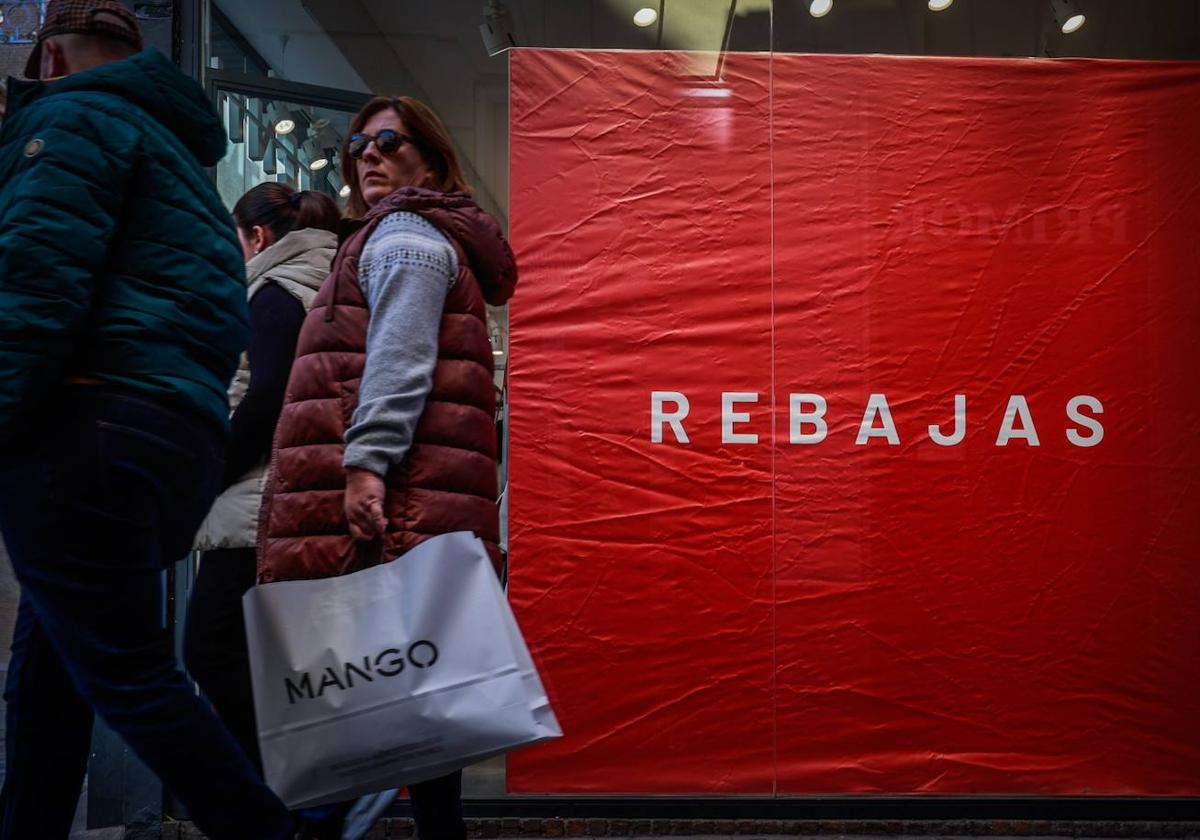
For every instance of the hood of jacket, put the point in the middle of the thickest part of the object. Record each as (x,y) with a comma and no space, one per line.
(303,256)
(152,83)
(475,230)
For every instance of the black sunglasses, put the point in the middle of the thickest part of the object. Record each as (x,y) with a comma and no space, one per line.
(386,141)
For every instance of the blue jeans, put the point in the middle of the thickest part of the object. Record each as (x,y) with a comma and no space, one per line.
(109,493)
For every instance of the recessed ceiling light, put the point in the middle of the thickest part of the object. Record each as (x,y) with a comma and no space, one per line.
(940,5)
(645,17)
(820,8)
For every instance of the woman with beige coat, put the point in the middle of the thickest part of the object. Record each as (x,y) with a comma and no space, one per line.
(288,241)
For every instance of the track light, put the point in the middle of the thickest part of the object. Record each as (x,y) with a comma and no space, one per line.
(344,192)
(497,28)
(940,5)
(317,157)
(281,118)
(1067,15)
(820,8)
(645,17)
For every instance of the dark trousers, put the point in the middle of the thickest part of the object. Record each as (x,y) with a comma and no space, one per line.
(214,641)
(216,657)
(108,493)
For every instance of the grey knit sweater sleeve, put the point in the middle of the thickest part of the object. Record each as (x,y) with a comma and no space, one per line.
(406,269)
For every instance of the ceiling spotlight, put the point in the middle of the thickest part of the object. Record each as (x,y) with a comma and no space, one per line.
(820,8)
(1068,15)
(497,28)
(645,17)
(317,157)
(281,118)
(1074,24)
(344,192)
(940,5)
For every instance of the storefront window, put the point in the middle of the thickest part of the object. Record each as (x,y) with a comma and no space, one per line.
(276,140)
(727,84)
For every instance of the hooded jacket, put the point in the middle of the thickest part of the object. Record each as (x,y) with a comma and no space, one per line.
(118,261)
(447,480)
(297,263)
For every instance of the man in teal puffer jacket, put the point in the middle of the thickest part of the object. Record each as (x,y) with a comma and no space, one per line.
(122,317)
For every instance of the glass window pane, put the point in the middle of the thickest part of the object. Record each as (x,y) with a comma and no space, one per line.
(699,75)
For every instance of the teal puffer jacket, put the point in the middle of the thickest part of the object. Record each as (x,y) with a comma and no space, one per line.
(118,261)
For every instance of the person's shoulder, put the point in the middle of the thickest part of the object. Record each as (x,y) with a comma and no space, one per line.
(405,237)
(70,136)
(93,116)
(404,222)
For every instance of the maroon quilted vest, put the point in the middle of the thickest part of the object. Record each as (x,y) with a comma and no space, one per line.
(447,481)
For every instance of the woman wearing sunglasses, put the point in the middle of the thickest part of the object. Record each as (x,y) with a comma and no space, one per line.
(387,435)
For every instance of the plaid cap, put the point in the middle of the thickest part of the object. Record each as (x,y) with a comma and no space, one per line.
(110,18)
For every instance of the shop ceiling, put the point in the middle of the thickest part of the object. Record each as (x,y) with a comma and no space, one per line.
(1114,29)
(433,49)
(430,37)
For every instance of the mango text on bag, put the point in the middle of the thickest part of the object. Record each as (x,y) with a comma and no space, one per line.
(387,663)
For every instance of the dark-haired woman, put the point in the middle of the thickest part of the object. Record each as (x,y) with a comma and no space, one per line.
(288,240)
(388,437)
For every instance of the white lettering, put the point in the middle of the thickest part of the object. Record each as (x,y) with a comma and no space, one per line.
(728,417)
(960,425)
(674,418)
(1090,423)
(877,406)
(1017,407)
(816,418)
(809,424)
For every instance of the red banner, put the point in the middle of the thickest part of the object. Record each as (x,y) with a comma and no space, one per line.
(854,423)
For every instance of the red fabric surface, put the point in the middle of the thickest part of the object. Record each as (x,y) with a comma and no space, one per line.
(834,617)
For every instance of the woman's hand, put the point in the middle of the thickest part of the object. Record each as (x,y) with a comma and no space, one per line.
(364,504)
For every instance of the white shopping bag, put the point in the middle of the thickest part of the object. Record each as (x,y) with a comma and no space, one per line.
(396,674)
